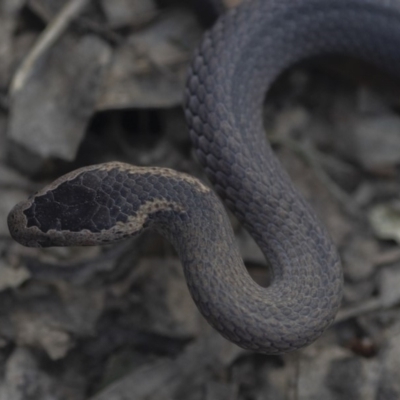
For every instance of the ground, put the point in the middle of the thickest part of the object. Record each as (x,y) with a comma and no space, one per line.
(105,82)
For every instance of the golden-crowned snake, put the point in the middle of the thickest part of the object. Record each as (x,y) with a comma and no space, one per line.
(231,71)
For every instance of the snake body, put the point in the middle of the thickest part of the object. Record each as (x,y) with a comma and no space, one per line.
(233,68)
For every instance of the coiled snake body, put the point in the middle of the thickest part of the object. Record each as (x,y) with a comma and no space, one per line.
(230,73)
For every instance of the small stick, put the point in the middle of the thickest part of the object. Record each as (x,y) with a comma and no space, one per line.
(366,307)
(46,39)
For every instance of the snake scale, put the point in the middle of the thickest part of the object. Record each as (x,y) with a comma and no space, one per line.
(236,63)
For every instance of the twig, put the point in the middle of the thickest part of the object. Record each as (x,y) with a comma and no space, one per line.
(361,309)
(46,39)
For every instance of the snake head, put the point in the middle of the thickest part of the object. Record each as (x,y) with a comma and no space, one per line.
(93,205)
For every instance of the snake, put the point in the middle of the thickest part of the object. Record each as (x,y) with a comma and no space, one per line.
(234,66)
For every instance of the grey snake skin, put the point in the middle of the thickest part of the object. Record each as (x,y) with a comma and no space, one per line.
(229,76)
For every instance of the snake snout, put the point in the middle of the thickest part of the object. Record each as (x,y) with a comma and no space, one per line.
(19,230)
